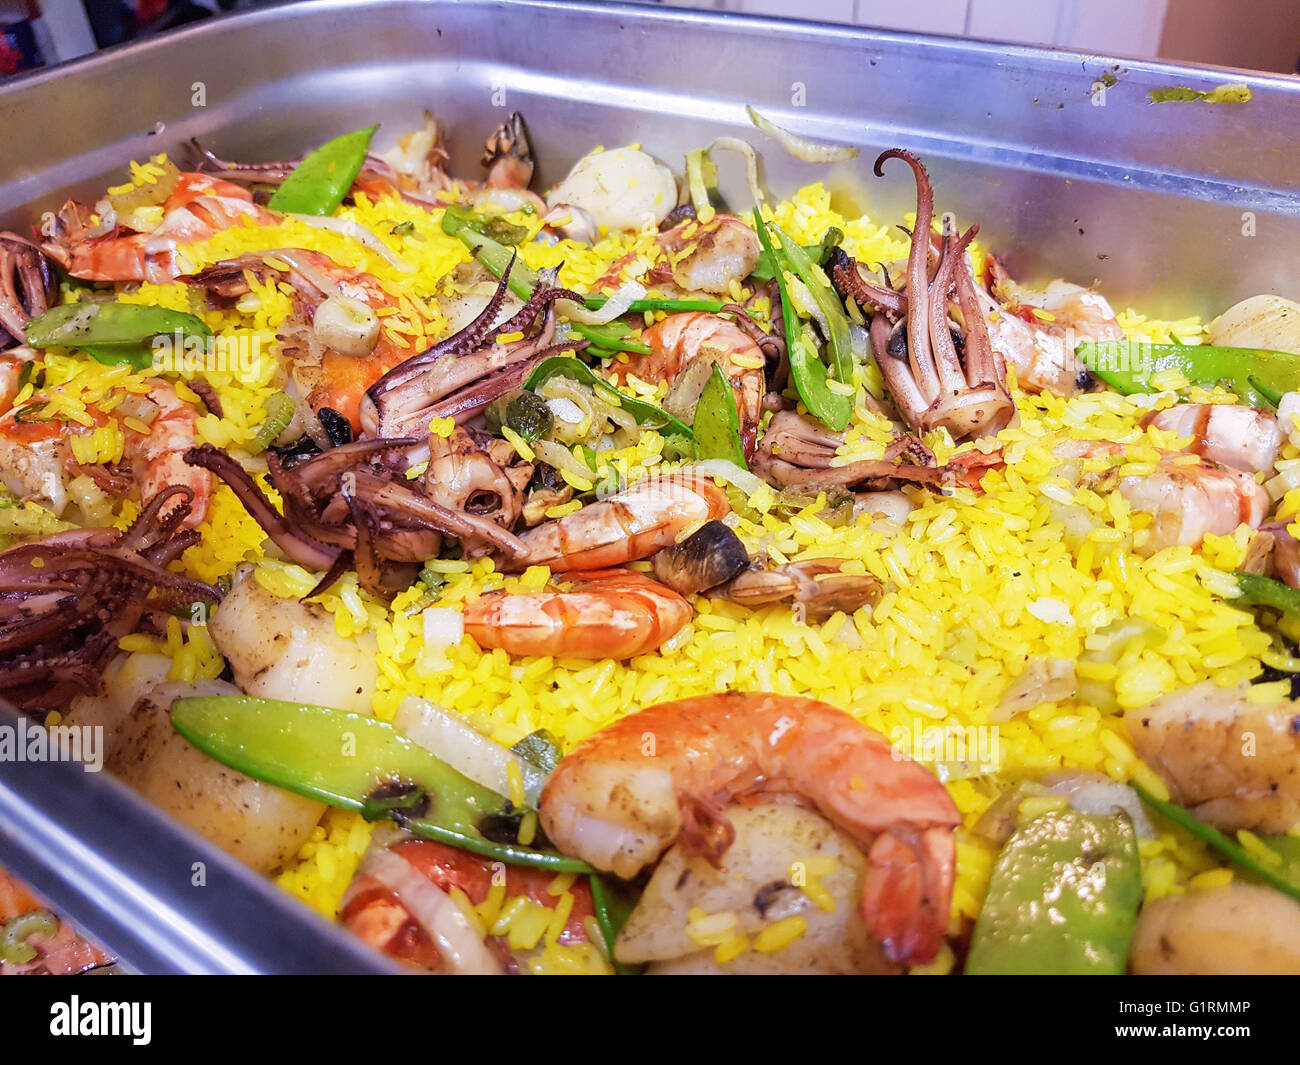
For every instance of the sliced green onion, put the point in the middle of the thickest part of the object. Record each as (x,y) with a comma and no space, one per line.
(14,947)
(1216,839)
(279,413)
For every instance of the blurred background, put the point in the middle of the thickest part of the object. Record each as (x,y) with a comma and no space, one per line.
(1254,34)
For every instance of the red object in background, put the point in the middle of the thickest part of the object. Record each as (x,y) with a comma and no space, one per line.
(148,10)
(18,49)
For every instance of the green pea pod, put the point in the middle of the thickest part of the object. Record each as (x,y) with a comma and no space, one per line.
(613,905)
(319,183)
(109,328)
(830,305)
(611,337)
(806,368)
(356,763)
(1283,878)
(717,426)
(1088,867)
(1266,592)
(808,371)
(1127,366)
(575,369)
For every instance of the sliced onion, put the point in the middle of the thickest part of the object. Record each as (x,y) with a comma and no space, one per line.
(1090,792)
(306,269)
(443,628)
(464,748)
(735,144)
(140,407)
(728,471)
(684,395)
(107,219)
(614,307)
(346,325)
(1043,680)
(562,458)
(800,147)
(566,410)
(361,235)
(458,943)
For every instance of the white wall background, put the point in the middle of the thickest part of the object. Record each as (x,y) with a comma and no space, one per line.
(1256,34)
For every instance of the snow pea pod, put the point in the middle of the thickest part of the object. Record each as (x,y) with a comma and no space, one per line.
(717,425)
(1266,592)
(361,764)
(1255,374)
(808,371)
(1088,867)
(828,303)
(318,184)
(112,333)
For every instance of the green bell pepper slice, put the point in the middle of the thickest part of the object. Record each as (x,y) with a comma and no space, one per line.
(1266,592)
(319,183)
(1283,879)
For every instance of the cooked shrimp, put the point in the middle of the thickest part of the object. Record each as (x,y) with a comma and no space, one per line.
(607,613)
(323,375)
(56,951)
(1037,331)
(624,527)
(709,257)
(34,456)
(157,457)
(1244,438)
(1186,501)
(622,797)
(12,363)
(199,207)
(1234,763)
(681,339)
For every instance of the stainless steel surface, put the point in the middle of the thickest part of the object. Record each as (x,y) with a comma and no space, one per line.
(163,899)
(1177,208)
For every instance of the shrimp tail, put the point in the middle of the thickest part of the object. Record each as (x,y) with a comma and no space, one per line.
(911,873)
(706,832)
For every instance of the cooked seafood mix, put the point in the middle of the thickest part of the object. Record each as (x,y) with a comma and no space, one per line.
(615,579)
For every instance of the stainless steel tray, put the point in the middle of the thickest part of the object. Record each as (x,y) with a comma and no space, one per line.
(1062,158)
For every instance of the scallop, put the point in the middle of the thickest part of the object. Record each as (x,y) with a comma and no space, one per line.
(622,189)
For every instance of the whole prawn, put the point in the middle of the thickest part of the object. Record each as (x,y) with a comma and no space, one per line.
(621,798)
(198,208)
(681,339)
(610,613)
(629,525)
